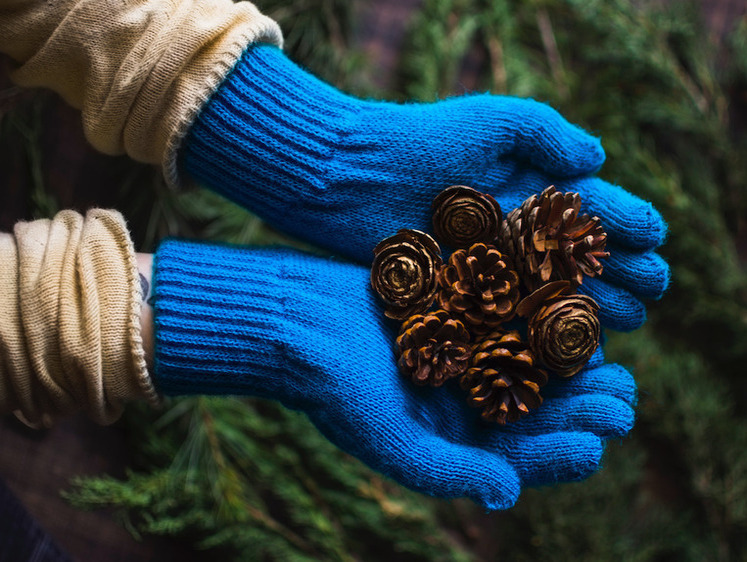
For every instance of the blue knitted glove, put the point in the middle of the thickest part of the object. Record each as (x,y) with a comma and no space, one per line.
(310,333)
(346,173)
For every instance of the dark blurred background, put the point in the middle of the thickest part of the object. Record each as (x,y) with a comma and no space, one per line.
(663,83)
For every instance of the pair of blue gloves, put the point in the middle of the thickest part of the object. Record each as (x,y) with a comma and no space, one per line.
(344,174)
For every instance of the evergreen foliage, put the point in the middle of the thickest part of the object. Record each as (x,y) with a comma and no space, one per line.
(250,480)
(667,107)
(259,482)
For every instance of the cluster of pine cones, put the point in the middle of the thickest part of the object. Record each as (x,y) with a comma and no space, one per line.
(462,319)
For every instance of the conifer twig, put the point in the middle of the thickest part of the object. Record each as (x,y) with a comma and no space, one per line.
(262,517)
(551,51)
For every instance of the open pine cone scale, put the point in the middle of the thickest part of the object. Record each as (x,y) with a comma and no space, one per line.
(478,285)
(433,348)
(502,379)
(547,240)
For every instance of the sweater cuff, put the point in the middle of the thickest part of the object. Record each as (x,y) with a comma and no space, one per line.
(70,319)
(139,71)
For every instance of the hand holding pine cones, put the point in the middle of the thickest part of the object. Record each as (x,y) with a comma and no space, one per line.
(540,252)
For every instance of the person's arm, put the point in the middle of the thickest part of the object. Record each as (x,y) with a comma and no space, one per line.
(139,71)
(145,270)
(80,312)
(345,173)
(70,319)
(324,166)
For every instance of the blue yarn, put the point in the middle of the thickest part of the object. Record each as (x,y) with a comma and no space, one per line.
(618,309)
(346,173)
(309,332)
(645,274)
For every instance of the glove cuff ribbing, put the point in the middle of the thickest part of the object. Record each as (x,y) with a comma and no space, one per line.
(270,124)
(249,321)
(218,314)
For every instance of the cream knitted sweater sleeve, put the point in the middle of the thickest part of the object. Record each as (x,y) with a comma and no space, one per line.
(139,70)
(70,336)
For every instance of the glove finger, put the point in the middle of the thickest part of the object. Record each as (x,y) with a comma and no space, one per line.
(610,379)
(552,447)
(618,309)
(645,274)
(628,220)
(546,139)
(597,359)
(391,442)
(552,457)
(600,414)
(604,410)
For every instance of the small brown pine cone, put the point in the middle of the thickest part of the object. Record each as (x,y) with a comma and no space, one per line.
(463,216)
(478,286)
(433,348)
(547,240)
(563,328)
(404,272)
(502,378)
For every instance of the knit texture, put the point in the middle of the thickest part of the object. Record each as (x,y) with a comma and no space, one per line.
(346,173)
(70,319)
(139,71)
(310,333)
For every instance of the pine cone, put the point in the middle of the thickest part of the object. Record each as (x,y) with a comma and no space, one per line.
(502,378)
(563,328)
(463,216)
(478,286)
(433,348)
(404,272)
(547,240)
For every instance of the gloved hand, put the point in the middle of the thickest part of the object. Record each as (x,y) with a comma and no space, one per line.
(310,332)
(346,173)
